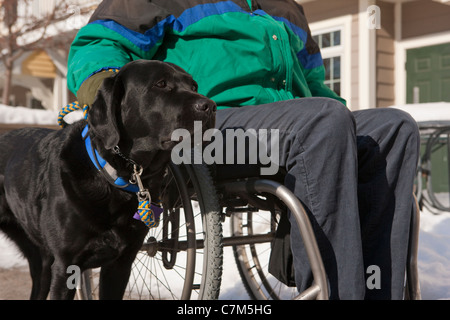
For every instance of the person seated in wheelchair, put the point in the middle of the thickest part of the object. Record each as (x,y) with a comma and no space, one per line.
(353,171)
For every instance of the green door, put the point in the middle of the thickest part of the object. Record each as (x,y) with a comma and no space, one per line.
(428,74)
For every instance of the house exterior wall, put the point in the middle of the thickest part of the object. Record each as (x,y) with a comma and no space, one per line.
(327,9)
(421,18)
(355,62)
(423,21)
(317,11)
(44,69)
(39,64)
(385,56)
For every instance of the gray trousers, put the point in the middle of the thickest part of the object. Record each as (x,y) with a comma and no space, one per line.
(354,173)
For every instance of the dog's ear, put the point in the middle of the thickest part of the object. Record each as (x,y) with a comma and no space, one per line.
(105,110)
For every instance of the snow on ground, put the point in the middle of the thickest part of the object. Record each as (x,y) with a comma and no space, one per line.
(434,255)
(427,111)
(434,240)
(34,116)
(26,115)
(10,257)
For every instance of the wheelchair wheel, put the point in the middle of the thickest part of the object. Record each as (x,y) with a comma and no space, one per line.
(182,257)
(252,259)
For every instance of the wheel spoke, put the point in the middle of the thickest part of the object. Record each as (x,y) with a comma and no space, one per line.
(164,270)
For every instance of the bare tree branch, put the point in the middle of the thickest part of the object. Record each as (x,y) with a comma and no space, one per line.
(25,30)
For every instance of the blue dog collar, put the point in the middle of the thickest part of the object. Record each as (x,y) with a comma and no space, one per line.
(104,167)
(148,213)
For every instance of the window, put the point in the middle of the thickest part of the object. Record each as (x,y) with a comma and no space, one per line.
(329,39)
(334,37)
(331,48)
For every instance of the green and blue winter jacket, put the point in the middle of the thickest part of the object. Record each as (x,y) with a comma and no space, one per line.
(241,52)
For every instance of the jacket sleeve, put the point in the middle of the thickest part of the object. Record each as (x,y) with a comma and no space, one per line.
(315,78)
(117,33)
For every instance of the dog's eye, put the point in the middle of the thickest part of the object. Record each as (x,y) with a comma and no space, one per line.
(194,88)
(161,84)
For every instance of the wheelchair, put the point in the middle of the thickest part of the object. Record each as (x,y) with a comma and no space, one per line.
(183,257)
(435,140)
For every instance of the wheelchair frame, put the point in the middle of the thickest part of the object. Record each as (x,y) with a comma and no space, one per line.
(319,289)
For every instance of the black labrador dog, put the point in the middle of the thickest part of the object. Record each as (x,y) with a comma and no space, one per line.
(61,210)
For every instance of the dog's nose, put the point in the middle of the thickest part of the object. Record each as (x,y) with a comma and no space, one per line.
(205,105)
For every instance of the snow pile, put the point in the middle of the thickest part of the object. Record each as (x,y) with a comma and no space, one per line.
(27,116)
(10,256)
(13,115)
(422,112)
(434,255)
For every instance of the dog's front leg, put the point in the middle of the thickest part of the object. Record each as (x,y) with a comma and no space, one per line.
(59,289)
(114,279)
(41,291)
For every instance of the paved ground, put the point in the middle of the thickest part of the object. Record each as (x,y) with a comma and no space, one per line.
(15,284)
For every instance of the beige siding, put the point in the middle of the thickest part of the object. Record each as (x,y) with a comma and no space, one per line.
(385,55)
(327,9)
(39,64)
(355,62)
(420,18)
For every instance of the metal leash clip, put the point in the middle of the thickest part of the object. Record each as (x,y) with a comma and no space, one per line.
(145,209)
(143,194)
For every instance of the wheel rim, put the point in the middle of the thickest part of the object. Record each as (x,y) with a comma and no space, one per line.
(253,259)
(160,271)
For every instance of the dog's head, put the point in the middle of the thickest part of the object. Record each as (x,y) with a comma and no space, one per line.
(140,107)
